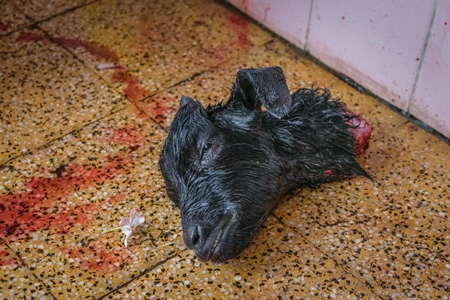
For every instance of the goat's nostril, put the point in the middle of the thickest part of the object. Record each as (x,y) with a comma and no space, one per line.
(195,236)
(192,236)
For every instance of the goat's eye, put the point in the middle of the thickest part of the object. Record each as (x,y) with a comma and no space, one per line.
(207,146)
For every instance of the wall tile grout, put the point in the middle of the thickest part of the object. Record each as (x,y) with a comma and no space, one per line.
(422,56)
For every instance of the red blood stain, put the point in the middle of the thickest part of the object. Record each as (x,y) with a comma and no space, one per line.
(202,82)
(158,107)
(220,53)
(96,256)
(140,114)
(412,128)
(129,136)
(237,21)
(240,32)
(5,260)
(382,151)
(243,41)
(241,28)
(29,36)
(266,12)
(98,51)
(328,172)
(133,89)
(245,5)
(42,205)
(4,26)
(158,33)
(117,198)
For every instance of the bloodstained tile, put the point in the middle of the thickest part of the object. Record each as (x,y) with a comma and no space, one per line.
(4,26)
(133,89)
(43,203)
(158,107)
(29,36)
(129,136)
(97,256)
(242,30)
(96,50)
(5,259)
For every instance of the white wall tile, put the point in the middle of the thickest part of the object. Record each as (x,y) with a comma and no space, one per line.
(287,18)
(431,100)
(378,43)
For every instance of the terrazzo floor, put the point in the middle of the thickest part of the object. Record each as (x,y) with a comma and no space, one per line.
(88,90)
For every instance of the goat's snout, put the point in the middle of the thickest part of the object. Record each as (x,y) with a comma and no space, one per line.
(207,241)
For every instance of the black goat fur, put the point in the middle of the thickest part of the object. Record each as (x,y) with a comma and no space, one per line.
(228,165)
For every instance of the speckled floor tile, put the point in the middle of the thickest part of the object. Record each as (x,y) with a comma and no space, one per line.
(277,265)
(46,93)
(11,18)
(368,243)
(84,157)
(154,45)
(16,281)
(38,10)
(392,232)
(60,200)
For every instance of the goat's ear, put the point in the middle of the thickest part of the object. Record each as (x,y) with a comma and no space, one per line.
(266,86)
(191,108)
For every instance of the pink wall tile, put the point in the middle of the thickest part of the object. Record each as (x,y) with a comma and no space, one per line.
(288,18)
(431,100)
(377,43)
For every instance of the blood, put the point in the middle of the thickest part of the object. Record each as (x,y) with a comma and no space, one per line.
(140,114)
(133,89)
(4,26)
(328,172)
(43,203)
(412,128)
(5,260)
(266,12)
(242,30)
(117,198)
(96,256)
(245,5)
(129,136)
(30,36)
(220,53)
(157,108)
(238,21)
(98,51)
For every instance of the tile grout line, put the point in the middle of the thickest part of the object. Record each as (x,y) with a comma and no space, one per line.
(190,78)
(36,23)
(3,164)
(24,265)
(305,46)
(359,279)
(422,57)
(125,284)
(50,37)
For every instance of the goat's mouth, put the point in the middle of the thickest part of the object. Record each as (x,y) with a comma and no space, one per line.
(209,253)
(214,246)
